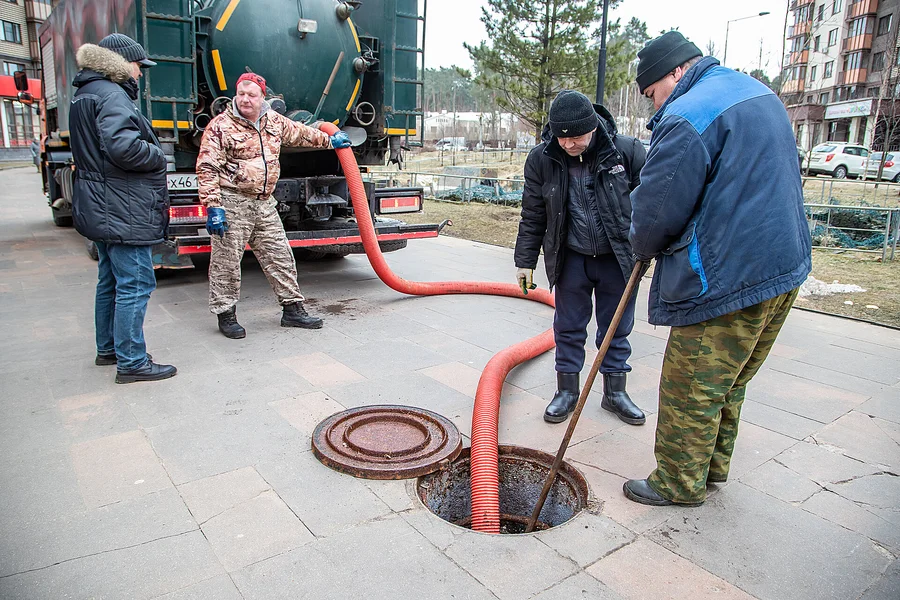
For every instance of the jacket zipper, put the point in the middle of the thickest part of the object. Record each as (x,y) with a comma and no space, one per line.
(585,205)
(262,150)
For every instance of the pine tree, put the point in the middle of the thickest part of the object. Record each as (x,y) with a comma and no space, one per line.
(536,49)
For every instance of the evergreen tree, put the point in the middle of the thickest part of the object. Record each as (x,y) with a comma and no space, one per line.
(537,48)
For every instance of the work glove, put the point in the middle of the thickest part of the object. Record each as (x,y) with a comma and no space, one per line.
(340,140)
(525,277)
(216,223)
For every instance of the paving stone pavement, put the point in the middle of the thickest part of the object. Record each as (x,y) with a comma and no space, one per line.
(204,486)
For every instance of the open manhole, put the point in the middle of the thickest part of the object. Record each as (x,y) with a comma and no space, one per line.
(523,471)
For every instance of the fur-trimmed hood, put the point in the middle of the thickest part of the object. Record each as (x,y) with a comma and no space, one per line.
(105,62)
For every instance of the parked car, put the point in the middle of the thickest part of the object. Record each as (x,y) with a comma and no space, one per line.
(838,159)
(891,170)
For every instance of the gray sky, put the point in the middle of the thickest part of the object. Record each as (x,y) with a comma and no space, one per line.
(452,22)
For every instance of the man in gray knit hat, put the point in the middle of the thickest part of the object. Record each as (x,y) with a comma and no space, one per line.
(120,199)
(576,206)
(720,207)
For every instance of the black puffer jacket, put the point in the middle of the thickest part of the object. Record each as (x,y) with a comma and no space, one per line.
(120,194)
(617,165)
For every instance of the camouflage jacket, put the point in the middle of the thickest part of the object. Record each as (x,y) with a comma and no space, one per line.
(238,156)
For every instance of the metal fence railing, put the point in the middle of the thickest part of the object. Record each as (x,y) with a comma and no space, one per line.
(860,228)
(455,187)
(849,191)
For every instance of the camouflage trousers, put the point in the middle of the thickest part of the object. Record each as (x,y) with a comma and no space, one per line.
(254,222)
(704,376)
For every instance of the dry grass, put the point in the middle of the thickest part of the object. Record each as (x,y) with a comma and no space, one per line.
(498,225)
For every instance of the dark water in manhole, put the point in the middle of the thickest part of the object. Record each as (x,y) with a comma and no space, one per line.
(523,471)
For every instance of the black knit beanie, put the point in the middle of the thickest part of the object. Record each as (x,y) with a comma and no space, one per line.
(572,114)
(127,48)
(661,56)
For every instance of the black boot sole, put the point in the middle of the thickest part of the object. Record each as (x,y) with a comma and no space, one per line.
(237,336)
(651,502)
(138,378)
(628,420)
(303,326)
(552,419)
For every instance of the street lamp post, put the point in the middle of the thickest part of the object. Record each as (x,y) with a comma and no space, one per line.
(728,27)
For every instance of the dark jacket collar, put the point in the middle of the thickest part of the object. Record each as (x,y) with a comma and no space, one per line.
(687,82)
(86,76)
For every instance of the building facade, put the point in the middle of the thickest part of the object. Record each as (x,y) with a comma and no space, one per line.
(20,21)
(840,76)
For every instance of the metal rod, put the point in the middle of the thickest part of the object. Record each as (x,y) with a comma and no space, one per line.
(607,340)
(337,65)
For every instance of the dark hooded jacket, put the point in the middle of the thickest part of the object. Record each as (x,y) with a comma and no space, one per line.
(615,161)
(120,194)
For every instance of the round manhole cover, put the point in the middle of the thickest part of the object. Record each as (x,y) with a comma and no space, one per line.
(386,442)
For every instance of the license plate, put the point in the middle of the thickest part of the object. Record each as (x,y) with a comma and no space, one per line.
(181,181)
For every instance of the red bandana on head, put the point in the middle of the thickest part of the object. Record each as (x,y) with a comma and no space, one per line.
(253,77)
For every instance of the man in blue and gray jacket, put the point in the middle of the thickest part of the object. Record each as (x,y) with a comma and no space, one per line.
(720,206)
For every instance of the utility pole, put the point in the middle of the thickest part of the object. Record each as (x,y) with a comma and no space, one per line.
(601,63)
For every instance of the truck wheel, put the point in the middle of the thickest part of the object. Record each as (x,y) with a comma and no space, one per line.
(92,250)
(308,255)
(61,221)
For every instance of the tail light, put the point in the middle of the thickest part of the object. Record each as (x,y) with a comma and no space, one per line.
(192,213)
(829,157)
(889,164)
(399,204)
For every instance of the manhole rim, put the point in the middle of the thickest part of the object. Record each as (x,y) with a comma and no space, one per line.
(592,505)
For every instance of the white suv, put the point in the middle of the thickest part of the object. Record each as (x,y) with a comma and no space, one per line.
(838,159)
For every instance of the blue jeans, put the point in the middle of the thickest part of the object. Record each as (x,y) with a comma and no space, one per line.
(581,278)
(125,280)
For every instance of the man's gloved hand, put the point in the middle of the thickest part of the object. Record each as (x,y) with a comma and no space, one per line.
(216,223)
(525,277)
(340,140)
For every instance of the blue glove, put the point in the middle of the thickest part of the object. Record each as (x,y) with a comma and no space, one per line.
(340,140)
(216,224)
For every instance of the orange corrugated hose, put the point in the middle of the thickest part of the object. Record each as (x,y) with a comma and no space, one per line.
(484,456)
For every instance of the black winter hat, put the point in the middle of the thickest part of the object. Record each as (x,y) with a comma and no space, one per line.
(572,114)
(127,48)
(661,56)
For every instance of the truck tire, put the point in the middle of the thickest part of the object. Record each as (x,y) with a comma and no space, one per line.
(92,249)
(308,254)
(61,221)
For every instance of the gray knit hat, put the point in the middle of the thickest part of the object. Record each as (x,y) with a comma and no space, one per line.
(572,114)
(127,48)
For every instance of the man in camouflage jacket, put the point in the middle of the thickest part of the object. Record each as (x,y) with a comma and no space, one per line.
(237,170)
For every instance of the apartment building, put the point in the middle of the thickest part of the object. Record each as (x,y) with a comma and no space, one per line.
(20,21)
(841,70)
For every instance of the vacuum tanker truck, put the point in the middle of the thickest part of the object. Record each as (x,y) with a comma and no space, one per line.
(355,63)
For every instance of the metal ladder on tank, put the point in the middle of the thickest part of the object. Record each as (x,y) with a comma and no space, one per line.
(192,60)
(417,115)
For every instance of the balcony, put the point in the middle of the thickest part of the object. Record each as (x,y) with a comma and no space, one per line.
(801,28)
(793,87)
(857,43)
(854,77)
(862,7)
(800,3)
(799,58)
(36,11)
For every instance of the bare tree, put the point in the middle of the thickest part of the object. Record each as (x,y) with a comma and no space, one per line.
(711,49)
(887,121)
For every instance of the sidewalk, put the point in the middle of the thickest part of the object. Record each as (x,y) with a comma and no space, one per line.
(204,487)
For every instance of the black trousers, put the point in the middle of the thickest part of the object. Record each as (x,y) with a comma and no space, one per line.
(581,278)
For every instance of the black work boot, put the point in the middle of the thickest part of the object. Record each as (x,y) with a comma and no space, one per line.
(295,315)
(565,398)
(229,326)
(616,399)
(149,372)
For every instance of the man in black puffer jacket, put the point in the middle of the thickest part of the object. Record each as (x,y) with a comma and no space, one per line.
(576,205)
(120,199)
